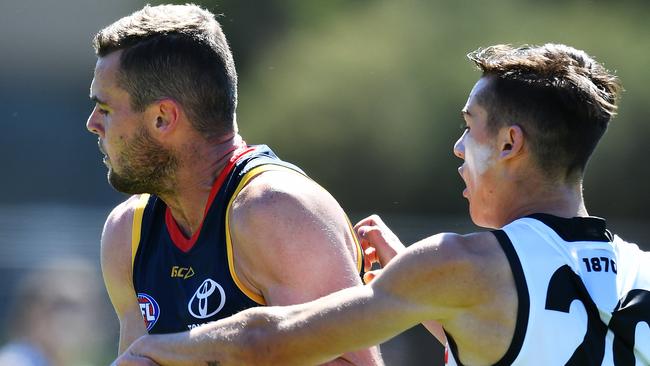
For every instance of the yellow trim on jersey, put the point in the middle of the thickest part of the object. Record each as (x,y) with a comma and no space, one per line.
(357,245)
(136,228)
(231,264)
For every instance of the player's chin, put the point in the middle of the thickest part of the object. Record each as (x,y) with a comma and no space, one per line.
(484,221)
(478,216)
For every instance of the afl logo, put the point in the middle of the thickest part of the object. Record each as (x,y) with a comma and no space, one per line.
(208,300)
(150,310)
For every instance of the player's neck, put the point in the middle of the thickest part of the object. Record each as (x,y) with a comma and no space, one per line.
(554,199)
(202,164)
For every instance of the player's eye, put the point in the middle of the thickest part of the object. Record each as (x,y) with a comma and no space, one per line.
(102,111)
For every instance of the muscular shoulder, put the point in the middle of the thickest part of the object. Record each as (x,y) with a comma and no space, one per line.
(287,229)
(116,242)
(273,190)
(293,243)
(118,226)
(276,201)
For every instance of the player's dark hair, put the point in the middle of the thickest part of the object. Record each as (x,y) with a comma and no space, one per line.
(177,52)
(560,96)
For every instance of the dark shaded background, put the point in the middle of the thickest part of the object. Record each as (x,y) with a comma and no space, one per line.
(364,95)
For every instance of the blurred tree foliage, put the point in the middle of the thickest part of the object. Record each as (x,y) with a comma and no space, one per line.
(365,95)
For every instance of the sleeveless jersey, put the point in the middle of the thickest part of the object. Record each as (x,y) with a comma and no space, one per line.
(584,295)
(181,288)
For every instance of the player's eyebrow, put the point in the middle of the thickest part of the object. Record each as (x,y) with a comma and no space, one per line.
(96,99)
(464,112)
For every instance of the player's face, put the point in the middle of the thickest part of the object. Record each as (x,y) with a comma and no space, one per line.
(136,162)
(477,148)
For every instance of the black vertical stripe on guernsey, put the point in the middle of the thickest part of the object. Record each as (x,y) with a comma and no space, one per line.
(522,309)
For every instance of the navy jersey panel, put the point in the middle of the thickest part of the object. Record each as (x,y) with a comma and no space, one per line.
(179,290)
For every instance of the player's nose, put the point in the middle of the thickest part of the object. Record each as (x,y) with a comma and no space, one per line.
(94,124)
(459,147)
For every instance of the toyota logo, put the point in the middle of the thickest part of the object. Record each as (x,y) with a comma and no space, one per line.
(202,304)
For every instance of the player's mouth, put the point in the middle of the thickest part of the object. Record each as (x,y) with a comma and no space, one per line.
(465,191)
(106,160)
(99,145)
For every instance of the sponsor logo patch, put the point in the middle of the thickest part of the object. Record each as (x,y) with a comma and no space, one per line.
(208,300)
(182,272)
(150,310)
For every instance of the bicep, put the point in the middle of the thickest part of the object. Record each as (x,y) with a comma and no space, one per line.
(446,276)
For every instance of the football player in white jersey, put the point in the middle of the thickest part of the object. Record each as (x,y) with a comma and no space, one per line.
(549,285)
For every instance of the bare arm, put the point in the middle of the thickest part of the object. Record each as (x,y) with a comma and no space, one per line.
(293,244)
(420,284)
(306,334)
(448,278)
(117,272)
(380,246)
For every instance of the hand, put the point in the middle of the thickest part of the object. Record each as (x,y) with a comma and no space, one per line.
(379,243)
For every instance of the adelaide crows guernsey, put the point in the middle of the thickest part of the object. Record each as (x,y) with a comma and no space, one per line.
(182,283)
(584,294)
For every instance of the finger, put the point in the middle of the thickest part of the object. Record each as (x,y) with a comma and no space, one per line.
(369,257)
(363,234)
(364,222)
(372,236)
(371,220)
(362,231)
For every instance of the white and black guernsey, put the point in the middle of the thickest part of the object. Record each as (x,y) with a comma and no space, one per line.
(584,294)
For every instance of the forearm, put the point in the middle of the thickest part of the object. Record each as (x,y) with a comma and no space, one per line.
(226,342)
(252,337)
(305,334)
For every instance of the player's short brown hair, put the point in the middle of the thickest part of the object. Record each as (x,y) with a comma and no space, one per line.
(177,52)
(560,96)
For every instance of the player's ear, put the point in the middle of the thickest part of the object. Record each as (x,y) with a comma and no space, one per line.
(511,141)
(166,113)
